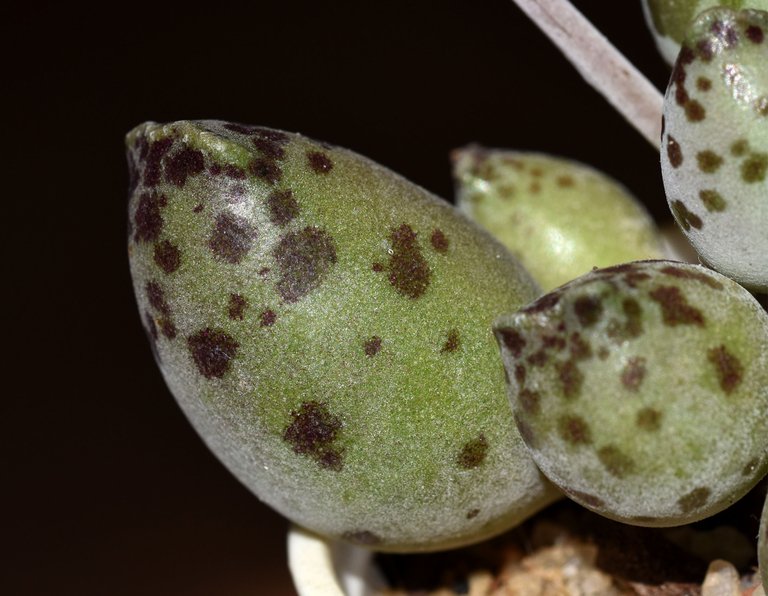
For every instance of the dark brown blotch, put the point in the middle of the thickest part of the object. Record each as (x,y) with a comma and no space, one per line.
(708,161)
(304,257)
(231,238)
(686,55)
(679,74)
(452,342)
(712,200)
(684,273)
(571,378)
(212,351)
(167,327)
(230,171)
(674,152)
(473,453)
(319,162)
(167,256)
(675,308)
(267,318)
(755,34)
(520,374)
(725,33)
(155,154)
(588,310)
(615,461)
(687,219)
(187,162)
(543,304)
(530,401)
(703,84)
(648,419)
(372,346)
(695,499)
(694,111)
(730,371)
(236,307)
(538,358)
(269,148)
(409,272)
(156,297)
(754,168)
(265,169)
(553,342)
(283,207)
(472,513)
(633,373)
(439,241)
(633,278)
(147,220)
(270,134)
(512,340)
(580,348)
(634,313)
(632,327)
(739,148)
(574,430)
(313,431)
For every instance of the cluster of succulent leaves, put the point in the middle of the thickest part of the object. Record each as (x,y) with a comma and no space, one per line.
(333,331)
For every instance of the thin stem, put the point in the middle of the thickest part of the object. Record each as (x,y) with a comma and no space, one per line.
(600,63)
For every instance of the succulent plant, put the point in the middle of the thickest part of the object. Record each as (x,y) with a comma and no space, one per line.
(668,20)
(642,390)
(559,217)
(326,326)
(715,144)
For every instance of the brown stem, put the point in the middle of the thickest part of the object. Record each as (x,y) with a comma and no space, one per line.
(600,63)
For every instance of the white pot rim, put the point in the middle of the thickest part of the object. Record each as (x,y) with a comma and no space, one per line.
(322,567)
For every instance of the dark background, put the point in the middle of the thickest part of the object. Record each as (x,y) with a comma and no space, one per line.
(106,488)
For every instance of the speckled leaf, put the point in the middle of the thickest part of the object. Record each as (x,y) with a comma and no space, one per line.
(559,217)
(642,390)
(714,156)
(668,20)
(325,325)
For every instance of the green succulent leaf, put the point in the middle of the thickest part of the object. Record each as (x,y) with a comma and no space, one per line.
(669,20)
(642,390)
(326,326)
(714,155)
(560,218)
